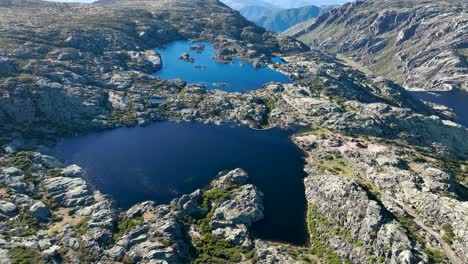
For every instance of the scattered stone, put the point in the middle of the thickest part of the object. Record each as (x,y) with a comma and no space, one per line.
(7,209)
(40,210)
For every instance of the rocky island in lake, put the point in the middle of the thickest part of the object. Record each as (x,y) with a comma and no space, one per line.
(110,155)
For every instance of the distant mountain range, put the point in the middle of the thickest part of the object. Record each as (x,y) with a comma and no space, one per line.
(279,15)
(280,4)
(254,13)
(282,20)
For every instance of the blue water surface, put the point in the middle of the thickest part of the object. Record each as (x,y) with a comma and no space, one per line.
(156,100)
(165,160)
(240,76)
(457,100)
(278,60)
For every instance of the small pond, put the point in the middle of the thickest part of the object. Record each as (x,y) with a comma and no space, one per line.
(456,100)
(278,60)
(156,100)
(165,160)
(194,63)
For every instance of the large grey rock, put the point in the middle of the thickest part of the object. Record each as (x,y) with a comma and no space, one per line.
(235,177)
(244,207)
(237,235)
(40,210)
(13,178)
(7,209)
(272,253)
(72,171)
(344,203)
(69,191)
(190,204)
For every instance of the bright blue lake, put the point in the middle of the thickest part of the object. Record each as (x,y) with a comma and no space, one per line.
(165,160)
(457,100)
(240,76)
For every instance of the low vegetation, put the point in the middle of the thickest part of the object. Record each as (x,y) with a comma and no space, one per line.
(208,247)
(319,225)
(449,235)
(21,160)
(125,224)
(82,226)
(24,255)
(336,165)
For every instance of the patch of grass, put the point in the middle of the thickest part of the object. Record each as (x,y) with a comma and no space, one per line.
(128,260)
(270,104)
(50,202)
(319,131)
(436,255)
(369,186)
(214,195)
(448,233)
(250,254)
(21,160)
(209,248)
(24,255)
(123,117)
(25,78)
(53,173)
(87,255)
(411,227)
(125,224)
(82,227)
(317,223)
(335,165)
(27,225)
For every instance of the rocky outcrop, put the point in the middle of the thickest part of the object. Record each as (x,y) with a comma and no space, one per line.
(380,193)
(420,44)
(68,191)
(7,209)
(368,231)
(56,217)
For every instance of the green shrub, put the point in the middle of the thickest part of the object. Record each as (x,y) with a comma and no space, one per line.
(24,255)
(124,224)
(448,233)
(53,173)
(82,227)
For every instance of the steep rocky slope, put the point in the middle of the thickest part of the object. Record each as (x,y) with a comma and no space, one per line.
(420,44)
(284,19)
(386,174)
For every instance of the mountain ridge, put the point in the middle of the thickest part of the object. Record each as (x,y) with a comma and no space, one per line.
(428,40)
(281,20)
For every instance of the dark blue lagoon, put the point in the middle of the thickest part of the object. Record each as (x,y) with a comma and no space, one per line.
(164,160)
(457,100)
(278,60)
(194,63)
